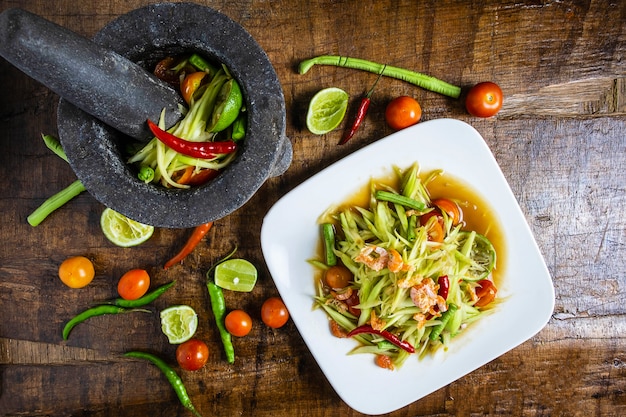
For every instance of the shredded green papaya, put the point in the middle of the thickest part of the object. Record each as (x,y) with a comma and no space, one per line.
(420,289)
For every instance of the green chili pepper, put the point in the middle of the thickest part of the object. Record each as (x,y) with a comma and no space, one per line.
(445,318)
(93,312)
(218,305)
(175,381)
(239,126)
(146,299)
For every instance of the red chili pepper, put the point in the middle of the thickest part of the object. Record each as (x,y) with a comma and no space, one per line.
(205,150)
(361,112)
(366,328)
(444,286)
(192,242)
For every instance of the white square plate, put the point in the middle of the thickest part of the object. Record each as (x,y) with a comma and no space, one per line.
(290,236)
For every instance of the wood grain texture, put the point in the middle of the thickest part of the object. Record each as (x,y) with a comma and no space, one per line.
(559,139)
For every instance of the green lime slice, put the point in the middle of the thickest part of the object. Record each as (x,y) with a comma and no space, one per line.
(236,275)
(229,102)
(123,231)
(326,110)
(482,253)
(179,323)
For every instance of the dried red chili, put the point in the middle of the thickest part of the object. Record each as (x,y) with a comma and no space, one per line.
(361,111)
(204,150)
(390,337)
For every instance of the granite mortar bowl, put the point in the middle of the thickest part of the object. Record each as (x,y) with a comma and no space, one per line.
(144,36)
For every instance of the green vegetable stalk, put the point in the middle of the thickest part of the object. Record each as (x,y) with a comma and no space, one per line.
(62,197)
(421,80)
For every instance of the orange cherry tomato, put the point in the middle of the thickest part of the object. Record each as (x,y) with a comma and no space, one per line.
(190,84)
(274,313)
(486,292)
(134,284)
(484,99)
(451,208)
(192,354)
(402,112)
(76,272)
(338,276)
(435,228)
(238,323)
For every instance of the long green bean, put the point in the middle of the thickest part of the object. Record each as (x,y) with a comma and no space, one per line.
(421,80)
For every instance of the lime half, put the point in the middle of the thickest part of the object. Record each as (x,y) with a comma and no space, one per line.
(226,110)
(179,323)
(236,275)
(326,110)
(123,231)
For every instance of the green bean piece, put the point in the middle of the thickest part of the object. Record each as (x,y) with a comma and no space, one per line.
(145,174)
(202,64)
(175,381)
(328,232)
(146,299)
(410,233)
(416,78)
(399,199)
(445,318)
(93,312)
(218,305)
(55,146)
(55,202)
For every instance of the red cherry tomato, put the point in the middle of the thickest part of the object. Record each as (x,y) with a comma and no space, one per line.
(274,312)
(486,292)
(238,323)
(134,284)
(484,99)
(403,112)
(192,354)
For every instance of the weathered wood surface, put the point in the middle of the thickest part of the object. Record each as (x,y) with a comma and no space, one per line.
(560,140)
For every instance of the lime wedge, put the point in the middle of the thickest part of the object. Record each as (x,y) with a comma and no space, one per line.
(123,231)
(326,110)
(179,323)
(236,275)
(226,110)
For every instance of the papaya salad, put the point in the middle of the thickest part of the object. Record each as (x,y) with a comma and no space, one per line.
(206,140)
(403,274)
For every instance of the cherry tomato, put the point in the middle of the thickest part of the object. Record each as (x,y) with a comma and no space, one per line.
(451,208)
(435,229)
(486,292)
(274,312)
(338,276)
(76,272)
(403,112)
(238,323)
(484,99)
(134,284)
(190,84)
(192,354)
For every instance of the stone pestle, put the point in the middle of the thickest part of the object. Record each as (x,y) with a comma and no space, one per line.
(99,81)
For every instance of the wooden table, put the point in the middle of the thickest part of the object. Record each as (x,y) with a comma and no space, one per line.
(560,140)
